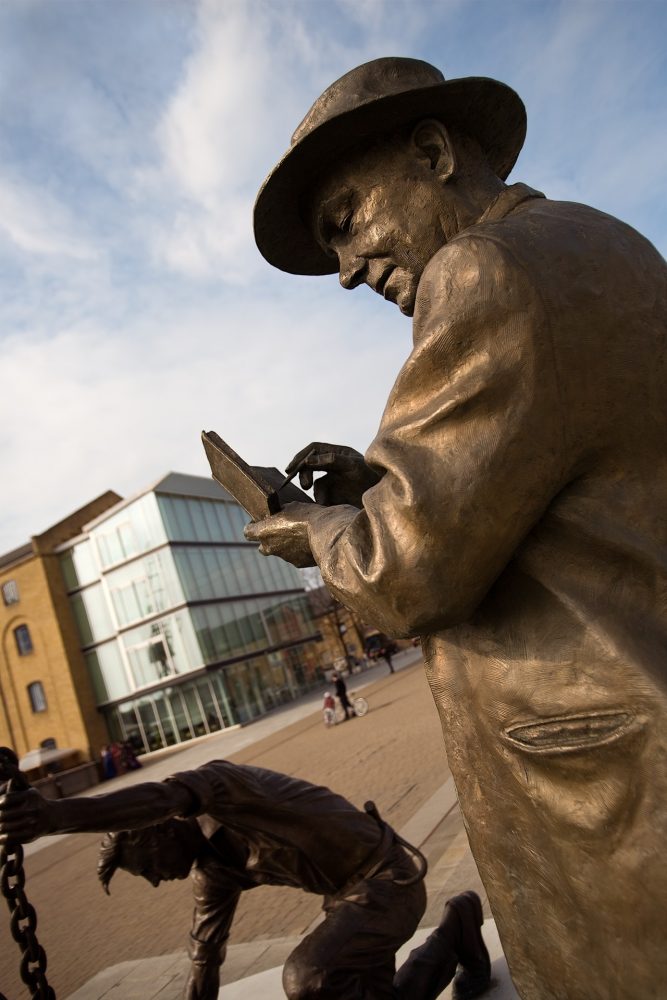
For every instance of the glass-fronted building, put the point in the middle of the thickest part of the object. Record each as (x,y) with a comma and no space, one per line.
(185,628)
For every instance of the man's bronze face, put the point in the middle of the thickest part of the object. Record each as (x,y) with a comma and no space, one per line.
(381,212)
(162,860)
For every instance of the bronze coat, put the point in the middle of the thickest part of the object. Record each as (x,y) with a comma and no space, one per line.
(520,528)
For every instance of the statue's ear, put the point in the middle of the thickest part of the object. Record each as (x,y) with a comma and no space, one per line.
(432,142)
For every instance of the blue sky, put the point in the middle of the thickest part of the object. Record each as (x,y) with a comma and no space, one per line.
(134,135)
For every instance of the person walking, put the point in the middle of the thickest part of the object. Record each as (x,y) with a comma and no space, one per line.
(386,655)
(341,694)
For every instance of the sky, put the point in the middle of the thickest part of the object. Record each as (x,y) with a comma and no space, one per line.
(134,135)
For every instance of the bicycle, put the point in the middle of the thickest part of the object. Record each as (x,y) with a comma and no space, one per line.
(359,707)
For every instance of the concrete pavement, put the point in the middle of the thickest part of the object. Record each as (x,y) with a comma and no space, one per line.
(186,756)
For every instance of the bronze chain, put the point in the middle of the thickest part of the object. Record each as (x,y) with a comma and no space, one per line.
(23,918)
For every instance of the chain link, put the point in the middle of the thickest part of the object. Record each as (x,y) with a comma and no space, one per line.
(23,918)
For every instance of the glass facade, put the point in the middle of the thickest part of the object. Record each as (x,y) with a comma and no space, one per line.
(230,571)
(79,566)
(92,615)
(189,519)
(136,528)
(185,628)
(144,587)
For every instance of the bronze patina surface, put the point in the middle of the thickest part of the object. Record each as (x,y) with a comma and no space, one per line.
(233,827)
(516,518)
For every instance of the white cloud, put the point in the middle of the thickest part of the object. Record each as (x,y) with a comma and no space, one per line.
(214,123)
(214,136)
(36,223)
(211,244)
(391,24)
(92,409)
(238,101)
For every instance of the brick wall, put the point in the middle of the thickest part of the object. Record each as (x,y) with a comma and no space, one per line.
(55,661)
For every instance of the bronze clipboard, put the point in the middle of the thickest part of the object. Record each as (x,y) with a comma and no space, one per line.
(259,490)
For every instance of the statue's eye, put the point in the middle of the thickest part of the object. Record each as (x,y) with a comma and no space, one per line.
(335,224)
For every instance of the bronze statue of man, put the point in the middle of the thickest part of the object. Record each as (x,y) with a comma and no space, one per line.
(511,510)
(233,827)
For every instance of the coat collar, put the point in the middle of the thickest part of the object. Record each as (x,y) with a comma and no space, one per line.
(507,201)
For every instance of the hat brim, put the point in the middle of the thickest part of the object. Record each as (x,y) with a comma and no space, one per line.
(488,110)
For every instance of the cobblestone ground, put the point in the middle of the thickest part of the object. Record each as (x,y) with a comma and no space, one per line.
(393,755)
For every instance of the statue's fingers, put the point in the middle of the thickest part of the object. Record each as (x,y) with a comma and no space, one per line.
(322,456)
(12,800)
(300,456)
(306,478)
(322,460)
(322,491)
(255,530)
(14,828)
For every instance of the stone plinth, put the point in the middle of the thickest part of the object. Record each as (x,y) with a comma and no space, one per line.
(267,985)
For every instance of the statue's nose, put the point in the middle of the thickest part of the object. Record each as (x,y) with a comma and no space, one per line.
(352,270)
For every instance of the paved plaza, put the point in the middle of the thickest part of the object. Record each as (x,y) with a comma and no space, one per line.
(132,945)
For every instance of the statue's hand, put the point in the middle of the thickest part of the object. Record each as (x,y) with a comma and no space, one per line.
(285,534)
(24,816)
(347,475)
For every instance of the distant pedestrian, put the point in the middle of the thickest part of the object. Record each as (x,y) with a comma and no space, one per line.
(129,758)
(117,754)
(386,655)
(329,708)
(341,694)
(108,766)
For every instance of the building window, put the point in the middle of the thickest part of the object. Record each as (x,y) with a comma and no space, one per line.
(37,697)
(23,640)
(10,592)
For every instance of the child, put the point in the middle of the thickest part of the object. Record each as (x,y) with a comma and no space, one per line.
(329,708)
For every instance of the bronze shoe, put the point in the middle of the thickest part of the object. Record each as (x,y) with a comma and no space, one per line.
(474,975)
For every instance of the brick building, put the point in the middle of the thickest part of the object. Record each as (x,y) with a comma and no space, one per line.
(342,633)
(45,692)
(345,641)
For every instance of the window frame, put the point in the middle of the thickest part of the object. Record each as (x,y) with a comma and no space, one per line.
(10,593)
(37,697)
(22,648)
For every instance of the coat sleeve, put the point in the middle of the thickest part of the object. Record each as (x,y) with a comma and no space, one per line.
(472,448)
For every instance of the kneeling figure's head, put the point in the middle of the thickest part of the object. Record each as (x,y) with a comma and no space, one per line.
(158,853)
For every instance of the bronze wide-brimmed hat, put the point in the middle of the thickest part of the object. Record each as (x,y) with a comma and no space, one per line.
(381,95)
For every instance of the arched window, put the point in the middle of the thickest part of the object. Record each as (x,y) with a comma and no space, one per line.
(23,640)
(37,697)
